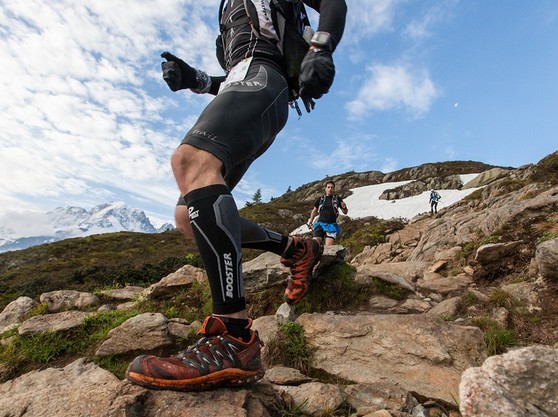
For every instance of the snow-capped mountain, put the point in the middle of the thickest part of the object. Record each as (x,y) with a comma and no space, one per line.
(65,222)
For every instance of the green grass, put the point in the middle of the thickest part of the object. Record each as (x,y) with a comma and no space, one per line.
(546,170)
(467,249)
(335,289)
(547,236)
(498,339)
(501,298)
(389,289)
(191,304)
(113,364)
(114,259)
(487,240)
(367,232)
(290,349)
(469,298)
(475,195)
(296,410)
(44,348)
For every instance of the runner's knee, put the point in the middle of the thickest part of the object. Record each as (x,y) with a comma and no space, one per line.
(195,168)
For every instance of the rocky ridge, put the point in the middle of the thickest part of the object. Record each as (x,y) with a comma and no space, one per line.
(423,353)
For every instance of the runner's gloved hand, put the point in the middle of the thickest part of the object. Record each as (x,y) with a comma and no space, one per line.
(316,76)
(178,74)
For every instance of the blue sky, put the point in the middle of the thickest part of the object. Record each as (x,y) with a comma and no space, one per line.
(86,118)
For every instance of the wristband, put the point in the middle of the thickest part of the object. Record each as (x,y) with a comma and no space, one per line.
(203,82)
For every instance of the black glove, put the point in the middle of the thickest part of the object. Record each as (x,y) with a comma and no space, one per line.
(316,76)
(178,74)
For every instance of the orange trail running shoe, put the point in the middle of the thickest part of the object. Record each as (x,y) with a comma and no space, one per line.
(217,359)
(307,254)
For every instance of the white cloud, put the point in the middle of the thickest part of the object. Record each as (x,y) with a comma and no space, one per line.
(422,27)
(389,165)
(394,87)
(369,18)
(354,152)
(83,104)
(25,223)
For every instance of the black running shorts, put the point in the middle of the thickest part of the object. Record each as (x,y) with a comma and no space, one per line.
(242,121)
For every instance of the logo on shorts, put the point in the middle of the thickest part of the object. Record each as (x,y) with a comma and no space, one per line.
(197,132)
(193,213)
(248,83)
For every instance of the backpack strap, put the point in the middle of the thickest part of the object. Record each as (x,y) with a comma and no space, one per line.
(322,203)
(334,202)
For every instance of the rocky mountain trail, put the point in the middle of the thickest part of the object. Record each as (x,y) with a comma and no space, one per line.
(453,315)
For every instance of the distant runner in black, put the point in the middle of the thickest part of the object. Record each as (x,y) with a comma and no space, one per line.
(327,209)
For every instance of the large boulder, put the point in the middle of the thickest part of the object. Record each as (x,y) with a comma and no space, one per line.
(486,177)
(546,257)
(520,383)
(84,389)
(69,300)
(420,353)
(79,389)
(15,312)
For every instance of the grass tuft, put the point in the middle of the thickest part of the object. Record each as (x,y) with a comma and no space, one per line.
(291,349)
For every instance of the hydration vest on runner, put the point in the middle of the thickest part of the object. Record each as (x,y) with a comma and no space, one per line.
(334,201)
(284,23)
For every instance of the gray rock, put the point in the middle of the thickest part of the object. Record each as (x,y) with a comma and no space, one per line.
(178,328)
(129,292)
(175,282)
(55,322)
(412,305)
(77,390)
(443,285)
(267,328)
(399,349)
(15,312)
(493,253)
(285,313)
(526,292)
(447,308)
(282,375)
(369,398)
(381,303)
(265,271)
(451,254)
(520,383)
(145,332)
(546,257)
(409,271)
(316,397)
(83,389)
(487,177)
(366,275)
(69,300)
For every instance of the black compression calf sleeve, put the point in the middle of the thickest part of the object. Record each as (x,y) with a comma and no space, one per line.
(255,236)
(216,227)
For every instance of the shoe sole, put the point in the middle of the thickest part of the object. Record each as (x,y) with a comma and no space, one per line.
(226,377)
